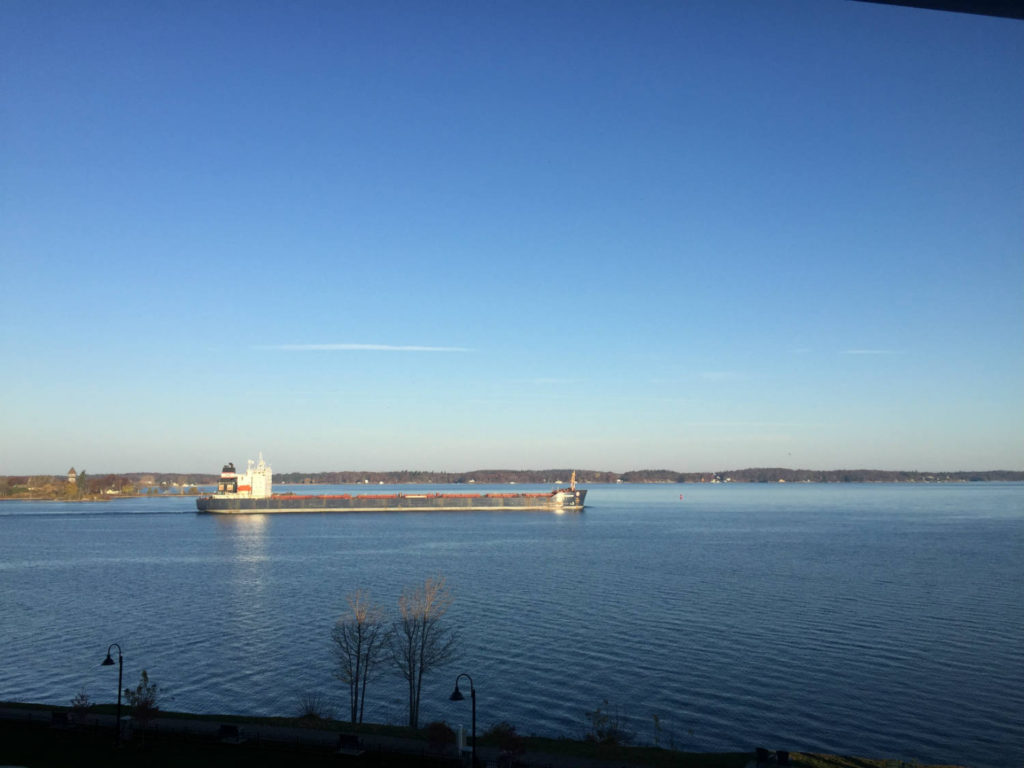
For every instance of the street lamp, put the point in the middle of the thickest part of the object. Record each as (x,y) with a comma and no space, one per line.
(109,662)
(457,696)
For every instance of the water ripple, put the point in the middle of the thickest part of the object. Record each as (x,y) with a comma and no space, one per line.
(877,620)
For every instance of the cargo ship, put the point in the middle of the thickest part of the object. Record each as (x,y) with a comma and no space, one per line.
(251,492)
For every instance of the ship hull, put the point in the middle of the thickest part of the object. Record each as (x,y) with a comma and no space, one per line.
(557,501)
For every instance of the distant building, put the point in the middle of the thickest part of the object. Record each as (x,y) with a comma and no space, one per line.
(72,476)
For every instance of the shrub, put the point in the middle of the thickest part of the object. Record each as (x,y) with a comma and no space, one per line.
(80,705)
(439,735)
(607,725)
(508,740)
(313,706)
(143,699)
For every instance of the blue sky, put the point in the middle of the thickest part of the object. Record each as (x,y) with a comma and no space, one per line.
(455,235)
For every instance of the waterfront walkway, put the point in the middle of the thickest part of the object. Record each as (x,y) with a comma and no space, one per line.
(308,740)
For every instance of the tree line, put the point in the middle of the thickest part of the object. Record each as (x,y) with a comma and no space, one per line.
(85,487)
(484,476)
(775,474)
(138,483)
(58,487)
(561,476)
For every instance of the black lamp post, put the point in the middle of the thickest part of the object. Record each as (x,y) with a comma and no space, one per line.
(109,662)
(457,696)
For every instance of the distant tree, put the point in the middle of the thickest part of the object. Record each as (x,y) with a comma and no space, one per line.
(17,486)
(420,640)
(360,639)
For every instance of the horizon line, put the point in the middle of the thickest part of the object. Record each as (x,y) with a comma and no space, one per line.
(549,469)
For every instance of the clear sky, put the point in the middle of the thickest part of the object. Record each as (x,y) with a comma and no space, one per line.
(692,235)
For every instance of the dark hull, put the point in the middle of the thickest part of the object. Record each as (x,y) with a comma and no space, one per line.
(569,501)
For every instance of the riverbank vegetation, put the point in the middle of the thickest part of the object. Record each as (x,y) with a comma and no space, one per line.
(589,476)
(136,484)
(85,487)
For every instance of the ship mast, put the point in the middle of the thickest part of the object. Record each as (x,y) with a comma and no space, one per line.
(572,481)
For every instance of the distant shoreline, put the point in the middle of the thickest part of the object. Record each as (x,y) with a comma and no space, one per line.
(138,485)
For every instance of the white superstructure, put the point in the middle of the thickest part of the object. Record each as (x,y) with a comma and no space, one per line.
(255,483)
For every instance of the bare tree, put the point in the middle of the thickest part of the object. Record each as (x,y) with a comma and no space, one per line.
(360,639)
(420,640)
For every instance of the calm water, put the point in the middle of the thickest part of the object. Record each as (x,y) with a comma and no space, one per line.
(880,620)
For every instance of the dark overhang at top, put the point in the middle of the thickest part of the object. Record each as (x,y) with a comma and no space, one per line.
(1009,9)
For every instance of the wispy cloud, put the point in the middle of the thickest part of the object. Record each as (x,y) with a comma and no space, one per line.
(720,376)
(758,424)
(689,378)
(870,352)
(361,348)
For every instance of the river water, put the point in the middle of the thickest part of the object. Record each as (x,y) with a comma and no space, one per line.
(877,620)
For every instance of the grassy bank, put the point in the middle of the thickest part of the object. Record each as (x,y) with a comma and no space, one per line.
(181,738)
